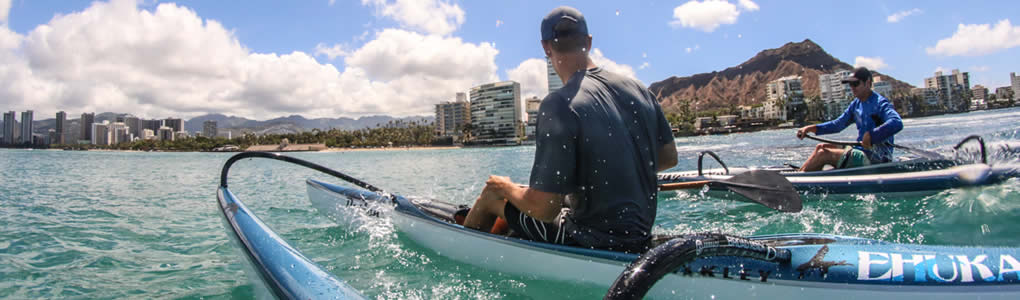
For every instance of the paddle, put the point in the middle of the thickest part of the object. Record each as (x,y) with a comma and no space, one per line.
(763,187)
(922,153)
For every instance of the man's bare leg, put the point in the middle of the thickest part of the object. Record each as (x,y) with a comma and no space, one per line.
(483,214)
(823,154)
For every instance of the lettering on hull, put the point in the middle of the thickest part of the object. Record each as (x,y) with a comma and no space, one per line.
(936,268)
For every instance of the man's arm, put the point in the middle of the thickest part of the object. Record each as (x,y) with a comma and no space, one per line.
(838,124)
(540,205)
(667,157)
(893,123)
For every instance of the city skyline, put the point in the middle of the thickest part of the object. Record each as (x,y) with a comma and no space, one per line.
(350,59)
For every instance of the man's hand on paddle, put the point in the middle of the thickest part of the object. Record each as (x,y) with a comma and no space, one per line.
(501,185)
(866,140)
(803,131)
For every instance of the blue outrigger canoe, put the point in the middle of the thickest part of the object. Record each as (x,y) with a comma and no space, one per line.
(785,266)
(922,173)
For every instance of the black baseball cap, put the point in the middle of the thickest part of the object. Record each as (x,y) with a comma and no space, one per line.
(861,74)
(563,21)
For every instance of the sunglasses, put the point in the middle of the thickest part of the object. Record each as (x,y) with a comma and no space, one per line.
(855,83)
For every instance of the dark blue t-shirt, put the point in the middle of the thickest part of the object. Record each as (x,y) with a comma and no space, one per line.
(597,141)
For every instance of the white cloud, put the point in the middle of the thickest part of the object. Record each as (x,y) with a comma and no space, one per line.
(748,5)
(873,63)
(644,65)
(978,39)
(940,69)
(979,68)
(692,49)
(397,53)
(333,52)
(896,17)
(429,16)
(610,65)
(170,62)
(5,10)
(9,39)
(705,16)
(331,2)
(531,73)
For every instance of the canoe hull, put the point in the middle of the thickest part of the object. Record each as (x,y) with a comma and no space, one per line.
(894,184)
(276,269)
(824,266)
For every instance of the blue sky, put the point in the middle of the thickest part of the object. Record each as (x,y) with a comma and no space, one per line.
(263,59)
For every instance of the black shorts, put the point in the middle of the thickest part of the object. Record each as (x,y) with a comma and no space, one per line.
(533,229)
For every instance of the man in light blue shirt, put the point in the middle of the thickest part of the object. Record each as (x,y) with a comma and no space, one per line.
(877,121)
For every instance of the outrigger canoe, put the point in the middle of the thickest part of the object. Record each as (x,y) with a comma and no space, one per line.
(887,184)
(783,266)
(928,173)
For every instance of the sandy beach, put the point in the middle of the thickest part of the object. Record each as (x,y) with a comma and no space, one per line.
(340,149)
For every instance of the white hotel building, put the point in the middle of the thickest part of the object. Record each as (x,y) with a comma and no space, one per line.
(496,112)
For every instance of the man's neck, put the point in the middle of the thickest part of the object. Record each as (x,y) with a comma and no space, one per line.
(868,97)
(573,63)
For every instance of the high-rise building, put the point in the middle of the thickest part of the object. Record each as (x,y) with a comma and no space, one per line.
(52,137)
(61,128)
(531,108)
(148,134)
(87,119)
(101,133)
(496,112)
(119,133)
(835,95)
(134,125)
(174,124)
(451,117)
(153,125)
(555,83)
(979,92)
(783,97)
(209,129)
(953,90)
(881,86)
(1015,84)
(1004,93)
(929,95)
(9,128)
(26,127)
(166,133)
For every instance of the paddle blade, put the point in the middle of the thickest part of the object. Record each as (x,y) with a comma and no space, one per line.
(766,188)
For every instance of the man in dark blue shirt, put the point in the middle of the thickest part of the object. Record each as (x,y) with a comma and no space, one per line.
(600,140)
(877,121)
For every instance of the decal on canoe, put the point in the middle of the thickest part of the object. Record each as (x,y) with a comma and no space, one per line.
(818,262)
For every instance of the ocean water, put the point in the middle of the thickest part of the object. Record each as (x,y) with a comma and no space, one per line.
(145,225)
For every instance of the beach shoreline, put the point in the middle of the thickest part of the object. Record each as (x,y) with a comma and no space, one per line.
(341,149)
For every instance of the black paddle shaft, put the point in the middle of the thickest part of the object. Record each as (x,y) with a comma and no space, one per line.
(765,187)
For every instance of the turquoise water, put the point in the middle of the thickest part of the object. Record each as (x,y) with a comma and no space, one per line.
(145,225)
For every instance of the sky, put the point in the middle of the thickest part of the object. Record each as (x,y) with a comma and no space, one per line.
(263,59)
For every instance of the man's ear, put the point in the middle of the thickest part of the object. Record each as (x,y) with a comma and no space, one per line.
(546,48)
(587,44)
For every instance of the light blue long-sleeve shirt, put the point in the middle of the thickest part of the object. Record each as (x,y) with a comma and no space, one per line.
(876,116)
